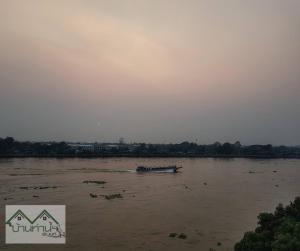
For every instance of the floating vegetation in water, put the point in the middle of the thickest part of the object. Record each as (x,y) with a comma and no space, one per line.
(92,195)
(25,187)
(179,236)
(24,174)
(255,172)
(99,182)
(113,196)
(45,187)
(182,236)
(172,235)
(38,187)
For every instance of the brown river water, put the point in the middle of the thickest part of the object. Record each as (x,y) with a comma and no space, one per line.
(210,200)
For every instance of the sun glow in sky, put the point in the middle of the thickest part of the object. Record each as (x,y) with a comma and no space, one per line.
(154,71)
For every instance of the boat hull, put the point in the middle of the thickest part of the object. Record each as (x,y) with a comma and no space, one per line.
(142,169)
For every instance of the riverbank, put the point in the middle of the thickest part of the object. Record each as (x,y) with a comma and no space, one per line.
(134,155)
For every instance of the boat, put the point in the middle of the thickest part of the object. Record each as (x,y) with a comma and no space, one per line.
(159,169)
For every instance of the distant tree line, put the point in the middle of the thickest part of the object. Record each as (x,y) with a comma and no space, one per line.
(10,147)
(275,232)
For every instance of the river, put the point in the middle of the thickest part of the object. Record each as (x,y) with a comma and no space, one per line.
(212,201)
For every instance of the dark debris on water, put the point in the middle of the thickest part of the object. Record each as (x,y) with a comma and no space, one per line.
(113,196)
(37,187)
(179,236)
(99,182)
(92,195)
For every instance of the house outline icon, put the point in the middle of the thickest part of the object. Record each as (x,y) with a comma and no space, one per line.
(43,214)
(20,219)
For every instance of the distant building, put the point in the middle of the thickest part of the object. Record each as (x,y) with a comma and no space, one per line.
(110,147)
(133,147)
(79,147)
(98,148)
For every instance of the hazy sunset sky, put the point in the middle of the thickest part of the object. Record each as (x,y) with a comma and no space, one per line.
(150,70)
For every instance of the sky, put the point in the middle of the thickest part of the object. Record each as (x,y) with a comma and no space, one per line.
(156,71)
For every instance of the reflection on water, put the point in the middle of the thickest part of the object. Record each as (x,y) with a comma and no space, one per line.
(210,200)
